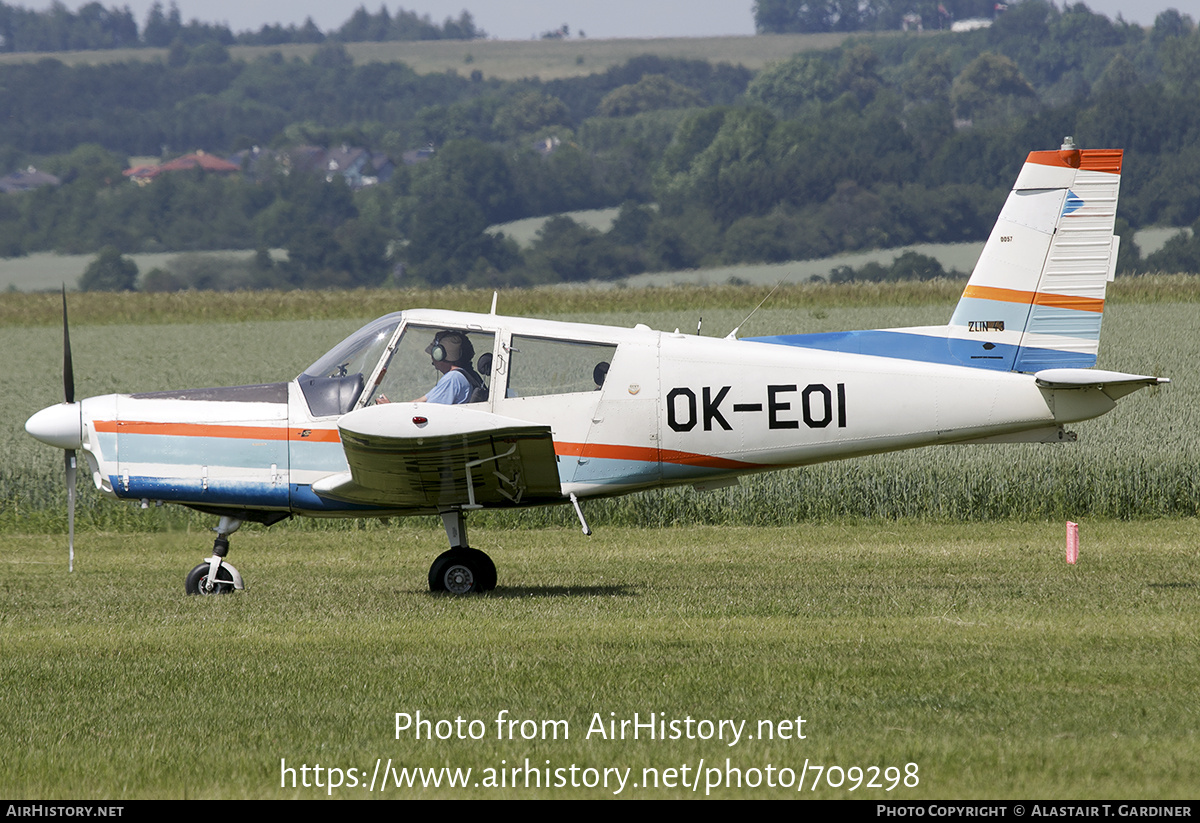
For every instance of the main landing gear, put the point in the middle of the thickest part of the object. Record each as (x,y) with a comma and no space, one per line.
(461,570)
(214,575)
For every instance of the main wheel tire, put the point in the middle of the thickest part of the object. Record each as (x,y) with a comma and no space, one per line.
(462,571)
(196,579)
(487,571)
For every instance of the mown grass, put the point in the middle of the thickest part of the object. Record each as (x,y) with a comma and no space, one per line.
(973,651)
(913,608)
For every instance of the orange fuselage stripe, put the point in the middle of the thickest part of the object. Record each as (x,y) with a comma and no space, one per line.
(605,451)
(647,454)
(1058,301)
(216,430)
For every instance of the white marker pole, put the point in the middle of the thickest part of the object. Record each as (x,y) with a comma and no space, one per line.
(1072,542)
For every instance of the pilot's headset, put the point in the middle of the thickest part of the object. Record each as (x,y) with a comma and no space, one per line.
(450,346)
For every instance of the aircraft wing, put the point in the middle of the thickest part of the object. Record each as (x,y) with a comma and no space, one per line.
(428,456)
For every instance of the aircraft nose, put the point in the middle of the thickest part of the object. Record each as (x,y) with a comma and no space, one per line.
(60,426)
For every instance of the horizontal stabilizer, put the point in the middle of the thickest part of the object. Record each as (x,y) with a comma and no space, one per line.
(1115,384)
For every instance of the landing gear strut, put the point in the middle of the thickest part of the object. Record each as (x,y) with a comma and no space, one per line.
(214,575)
(461,570)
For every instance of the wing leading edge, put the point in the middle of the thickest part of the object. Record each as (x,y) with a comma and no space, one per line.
(428,457)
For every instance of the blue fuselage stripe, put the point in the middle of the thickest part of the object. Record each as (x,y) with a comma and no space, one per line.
(924,348)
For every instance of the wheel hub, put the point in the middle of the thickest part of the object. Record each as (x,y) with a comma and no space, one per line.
(459,579)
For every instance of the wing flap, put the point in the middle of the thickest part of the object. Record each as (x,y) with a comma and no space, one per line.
(427,456)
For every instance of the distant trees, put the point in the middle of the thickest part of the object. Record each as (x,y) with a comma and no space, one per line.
(95,27)
(57,29)
(990,82)
(529,112)
(1181,253)
(110,271)
(815,16)
(910,265)
(566,251)
(404,25)
(868,145)
(653,92)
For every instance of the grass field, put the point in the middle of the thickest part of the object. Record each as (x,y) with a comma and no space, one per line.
(913,608)
(46,271)
(511,59)
(524,231)
(971,651)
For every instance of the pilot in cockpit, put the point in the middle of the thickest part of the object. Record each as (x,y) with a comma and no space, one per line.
(451,353)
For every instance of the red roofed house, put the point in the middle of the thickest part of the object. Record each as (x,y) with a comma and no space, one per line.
(197,160)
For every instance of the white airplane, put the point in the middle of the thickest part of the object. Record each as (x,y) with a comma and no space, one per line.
(530,412)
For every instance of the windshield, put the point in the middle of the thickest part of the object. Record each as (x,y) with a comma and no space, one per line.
(359,352)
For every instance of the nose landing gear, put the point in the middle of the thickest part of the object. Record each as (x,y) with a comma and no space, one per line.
(214,575)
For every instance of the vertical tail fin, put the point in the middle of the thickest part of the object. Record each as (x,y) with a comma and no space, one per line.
(1036,297)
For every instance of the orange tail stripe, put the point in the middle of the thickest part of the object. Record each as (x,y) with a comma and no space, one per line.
(1106,160)
(1058,301)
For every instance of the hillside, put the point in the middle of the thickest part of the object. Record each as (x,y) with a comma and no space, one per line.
(707,153)
(506,59)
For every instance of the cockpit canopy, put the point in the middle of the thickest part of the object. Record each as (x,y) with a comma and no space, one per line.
(400,358)
(392,368)
(359,352)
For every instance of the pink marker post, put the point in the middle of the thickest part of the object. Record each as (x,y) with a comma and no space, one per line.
(1072,542)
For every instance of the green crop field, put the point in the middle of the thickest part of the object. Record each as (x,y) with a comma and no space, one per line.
(1135,462)
(44,271)
(914,609)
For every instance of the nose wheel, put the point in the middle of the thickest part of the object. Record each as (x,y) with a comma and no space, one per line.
(201,581)
(214,575)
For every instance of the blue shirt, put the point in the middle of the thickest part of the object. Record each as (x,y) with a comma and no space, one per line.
(453,387)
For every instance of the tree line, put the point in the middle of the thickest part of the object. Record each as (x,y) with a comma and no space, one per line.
(815,16)
(95,27)
(879,143)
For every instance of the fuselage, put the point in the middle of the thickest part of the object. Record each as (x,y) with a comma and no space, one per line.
(669,408)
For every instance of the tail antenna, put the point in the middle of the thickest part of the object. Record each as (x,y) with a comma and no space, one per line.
(733,334)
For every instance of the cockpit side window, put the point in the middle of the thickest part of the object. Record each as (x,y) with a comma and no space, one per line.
(412,374)
(541,366)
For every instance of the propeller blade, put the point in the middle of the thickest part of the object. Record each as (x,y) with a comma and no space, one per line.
(70,471)
(68,367)
(69,454)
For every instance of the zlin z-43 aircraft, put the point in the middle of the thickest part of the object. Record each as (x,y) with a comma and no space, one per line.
(529,412)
